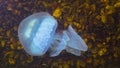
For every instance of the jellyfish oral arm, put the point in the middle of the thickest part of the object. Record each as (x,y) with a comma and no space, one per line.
(59,43)
(68,40)
(73,51)
(76,44)
(76,41)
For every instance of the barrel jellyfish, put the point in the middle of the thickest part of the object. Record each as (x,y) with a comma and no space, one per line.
(37,34)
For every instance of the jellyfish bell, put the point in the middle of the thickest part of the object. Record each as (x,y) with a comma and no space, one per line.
(37,34)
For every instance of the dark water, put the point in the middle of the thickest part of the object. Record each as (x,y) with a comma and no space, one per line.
(96,21)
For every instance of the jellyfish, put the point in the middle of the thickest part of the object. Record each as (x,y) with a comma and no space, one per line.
(37,34)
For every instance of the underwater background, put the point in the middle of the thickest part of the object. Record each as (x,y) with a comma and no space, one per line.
(96,21)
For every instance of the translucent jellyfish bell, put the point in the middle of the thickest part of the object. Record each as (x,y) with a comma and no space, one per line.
(37,34)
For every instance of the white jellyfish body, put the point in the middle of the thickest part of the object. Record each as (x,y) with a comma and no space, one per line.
(37,34)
